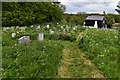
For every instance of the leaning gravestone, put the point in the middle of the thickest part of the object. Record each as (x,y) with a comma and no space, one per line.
(38,29)
(24,40)
(41,37)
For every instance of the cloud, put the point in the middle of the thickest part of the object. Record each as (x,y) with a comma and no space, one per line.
(93,6)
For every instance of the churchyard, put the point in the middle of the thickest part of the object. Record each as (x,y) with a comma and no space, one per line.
(59,51)
(40,40)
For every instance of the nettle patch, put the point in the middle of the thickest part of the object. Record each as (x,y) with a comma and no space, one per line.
(101,46)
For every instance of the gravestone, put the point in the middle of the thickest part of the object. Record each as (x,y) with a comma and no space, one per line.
(38,26)
(41,37)
(22,28)
(24,40)
(51,31)
(54,28)
(6,29)
(31,26)
(38,29)
(13,35)
(17,27)
(48,26)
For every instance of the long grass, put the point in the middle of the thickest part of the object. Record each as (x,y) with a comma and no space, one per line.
(101,46)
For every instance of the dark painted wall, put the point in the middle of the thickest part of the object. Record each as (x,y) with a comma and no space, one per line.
(92,22)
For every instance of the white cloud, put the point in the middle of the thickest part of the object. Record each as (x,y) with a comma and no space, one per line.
(90,6)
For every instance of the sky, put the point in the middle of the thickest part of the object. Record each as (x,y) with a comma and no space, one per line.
(90,6)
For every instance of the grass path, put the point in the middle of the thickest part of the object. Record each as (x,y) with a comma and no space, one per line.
(74,64)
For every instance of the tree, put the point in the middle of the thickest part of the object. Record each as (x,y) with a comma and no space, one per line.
(27,13)
(118,10)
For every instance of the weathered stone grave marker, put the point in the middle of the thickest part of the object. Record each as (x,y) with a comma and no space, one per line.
(31,26)
(23,28)
(51,31)
(38,29)
(41,37)
(24,40)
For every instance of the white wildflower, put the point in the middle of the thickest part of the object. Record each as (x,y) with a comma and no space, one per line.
(38,26)
(48,26)
(13,35)
(61,27)
(74,28)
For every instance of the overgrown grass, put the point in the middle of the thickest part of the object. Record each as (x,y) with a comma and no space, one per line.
(101,46)
(35,60)
(74,64)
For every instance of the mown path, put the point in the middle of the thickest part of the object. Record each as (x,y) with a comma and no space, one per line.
(74,64)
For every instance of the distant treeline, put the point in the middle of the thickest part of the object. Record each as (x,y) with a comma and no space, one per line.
(28,13)
(79,19)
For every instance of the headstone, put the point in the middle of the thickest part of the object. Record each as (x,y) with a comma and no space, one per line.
(12,29)
(38,26)
(37,29)
(17,27)
(22,28)
(6,29)
(51,31)
(24,40)
(54,28)
(31,26)
(13,35)
(41,37)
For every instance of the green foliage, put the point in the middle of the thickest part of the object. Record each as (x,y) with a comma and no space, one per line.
(27,13)
(76,19)
(101,47)
(110,19)
(66,37)
(35,60)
